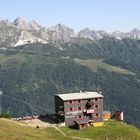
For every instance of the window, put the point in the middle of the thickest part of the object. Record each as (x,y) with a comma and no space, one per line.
(96,99)
(96,115)
(70,102)
(80,117)
(79,108)
(96,106)
(70,109)
(79,101)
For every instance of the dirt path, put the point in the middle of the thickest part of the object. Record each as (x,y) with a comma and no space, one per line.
(60,131)
(77,138)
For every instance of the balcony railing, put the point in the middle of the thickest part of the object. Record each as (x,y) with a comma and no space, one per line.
(89,111)
(61,112)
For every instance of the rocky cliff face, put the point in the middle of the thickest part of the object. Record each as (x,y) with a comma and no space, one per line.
(20,32)
(33,25)
(20,23)
(96,35)
(60,33)
(8,34)
(135,34)
(92,34)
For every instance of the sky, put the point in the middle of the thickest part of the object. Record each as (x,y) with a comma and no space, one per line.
(108,15)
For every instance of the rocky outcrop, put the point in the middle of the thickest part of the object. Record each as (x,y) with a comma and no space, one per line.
(60,33)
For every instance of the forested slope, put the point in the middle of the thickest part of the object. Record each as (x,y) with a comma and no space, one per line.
(31,74)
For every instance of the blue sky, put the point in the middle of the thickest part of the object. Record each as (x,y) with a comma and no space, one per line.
(109,15)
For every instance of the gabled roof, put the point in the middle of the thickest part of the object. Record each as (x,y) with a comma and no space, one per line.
(80,95)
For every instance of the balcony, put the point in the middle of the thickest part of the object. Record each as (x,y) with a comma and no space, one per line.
(61,113)
(89,111)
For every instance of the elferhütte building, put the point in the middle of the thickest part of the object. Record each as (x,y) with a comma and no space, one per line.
(80,108)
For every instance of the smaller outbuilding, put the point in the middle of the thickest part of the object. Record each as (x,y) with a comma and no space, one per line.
(118,116)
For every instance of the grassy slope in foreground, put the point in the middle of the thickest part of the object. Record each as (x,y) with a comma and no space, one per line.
(114,131)
(13,131)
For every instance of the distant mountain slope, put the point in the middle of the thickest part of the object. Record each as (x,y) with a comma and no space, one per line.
(29,80)
(112,130)
(21,32)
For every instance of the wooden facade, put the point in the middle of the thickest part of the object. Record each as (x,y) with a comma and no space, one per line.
(80,108)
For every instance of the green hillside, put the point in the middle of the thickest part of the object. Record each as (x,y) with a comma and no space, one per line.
(31,74)
(112,130)
(13,131)
(29,82)
(94,64)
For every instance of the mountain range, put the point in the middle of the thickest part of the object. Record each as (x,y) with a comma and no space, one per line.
(21,32)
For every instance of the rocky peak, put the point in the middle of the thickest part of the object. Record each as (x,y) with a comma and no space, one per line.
(33,25)
(60,32)
(86,30)
(134,34)
(103,33)
(135,30)
(20,23)
(85,33)
(118,35)
(6,23)
(62,28)
(91,34)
